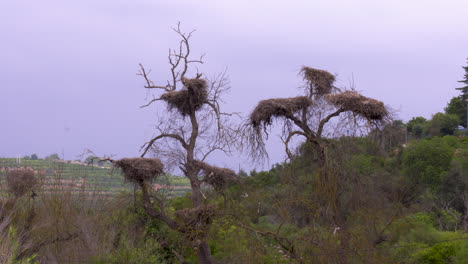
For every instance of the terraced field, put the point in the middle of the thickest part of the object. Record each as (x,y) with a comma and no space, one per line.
(79,177)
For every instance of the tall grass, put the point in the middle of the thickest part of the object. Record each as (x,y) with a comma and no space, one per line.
(60,223)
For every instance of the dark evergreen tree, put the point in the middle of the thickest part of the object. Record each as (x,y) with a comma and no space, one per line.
(464,89)
(464,97)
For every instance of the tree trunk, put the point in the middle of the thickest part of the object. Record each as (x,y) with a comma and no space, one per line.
(204,253)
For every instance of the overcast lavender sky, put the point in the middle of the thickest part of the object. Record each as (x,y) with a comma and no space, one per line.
(68,68)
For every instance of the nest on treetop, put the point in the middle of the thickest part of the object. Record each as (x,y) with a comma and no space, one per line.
(195,222)
(138,170)
(352,101)
(263,114)
(217,177)
(187,100)
(20,180)
(320,81)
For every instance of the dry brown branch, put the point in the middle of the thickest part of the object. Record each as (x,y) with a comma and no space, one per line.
(288,139)
(147,146)
(326,119)
(284,242)
(149,84)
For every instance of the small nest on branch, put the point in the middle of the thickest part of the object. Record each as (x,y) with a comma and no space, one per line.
(321,82)
(352,101)
(188,100)
(217,177)
(139,170)
(20,181)
(195,222)
(266,110)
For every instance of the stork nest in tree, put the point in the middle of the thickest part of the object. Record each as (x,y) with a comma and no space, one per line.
(195,222)
(266,110)
(367,107)
(217,177)
(187,100)
(20,181)
(138,170)
(321,82)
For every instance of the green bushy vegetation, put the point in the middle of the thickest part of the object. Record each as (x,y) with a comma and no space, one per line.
(406,205)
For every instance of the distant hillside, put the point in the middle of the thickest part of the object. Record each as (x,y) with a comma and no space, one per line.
(76,175)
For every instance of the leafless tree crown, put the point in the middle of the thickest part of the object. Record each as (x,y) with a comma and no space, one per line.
(310,116)
(192,129)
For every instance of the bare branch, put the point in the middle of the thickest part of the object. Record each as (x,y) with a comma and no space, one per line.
(326,119)
(149,84)
(150,143)
(286,142)
(150,102)
(151,211)
(284,242)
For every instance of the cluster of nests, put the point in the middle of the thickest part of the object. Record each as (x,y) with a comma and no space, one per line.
(217,177)
(188,100)
(20,181)
(195,222)
(321,83)
(139,170)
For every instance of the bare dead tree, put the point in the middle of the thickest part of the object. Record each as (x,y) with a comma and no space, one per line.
(323,111)
(191,130)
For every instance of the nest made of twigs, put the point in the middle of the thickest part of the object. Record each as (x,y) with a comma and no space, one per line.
(217,177)
(190,99)
(20,180)
(263,114)
(367,107)
(195,222)
(320,81)
(139,170)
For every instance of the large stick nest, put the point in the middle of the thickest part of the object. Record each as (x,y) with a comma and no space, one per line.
(138,170)
(20,181)
(195,222)
(320,81)
(367,107)
(266,110)
(190,99)
(217,177)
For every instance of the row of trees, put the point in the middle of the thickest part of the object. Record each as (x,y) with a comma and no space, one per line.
(34,156)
